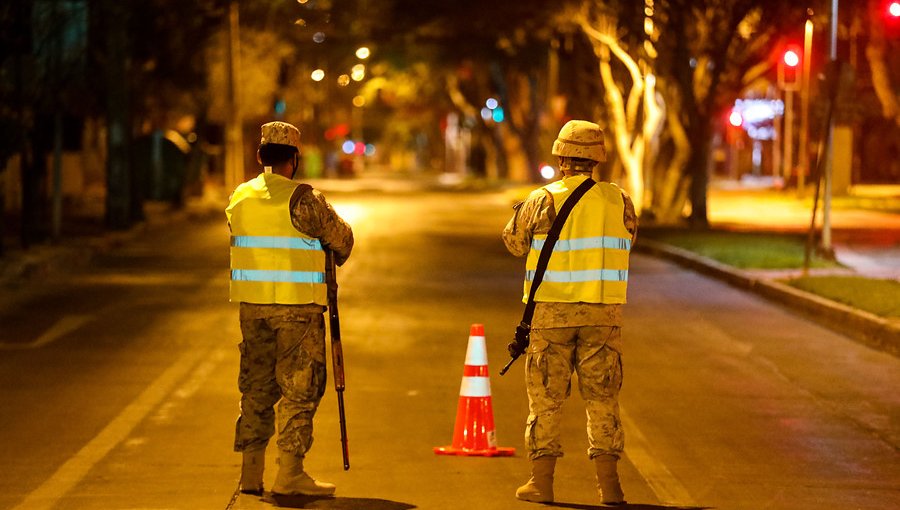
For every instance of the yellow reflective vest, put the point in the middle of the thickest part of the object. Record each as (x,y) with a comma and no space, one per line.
(589,262)
(271,262)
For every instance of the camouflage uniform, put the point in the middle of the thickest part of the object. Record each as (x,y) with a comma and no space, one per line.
(283,348)
(566,337)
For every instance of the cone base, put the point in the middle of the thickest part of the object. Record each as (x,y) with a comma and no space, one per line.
(489,452)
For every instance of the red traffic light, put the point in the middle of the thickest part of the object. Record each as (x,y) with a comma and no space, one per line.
(791,58)
(789,67)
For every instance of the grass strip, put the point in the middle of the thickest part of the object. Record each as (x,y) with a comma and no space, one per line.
(877,296)
(745,250)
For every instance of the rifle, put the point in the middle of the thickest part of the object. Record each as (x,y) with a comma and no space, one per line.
(519,344)
(337,352)
(523,330)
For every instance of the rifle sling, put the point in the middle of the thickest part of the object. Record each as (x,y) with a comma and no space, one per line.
(547,249)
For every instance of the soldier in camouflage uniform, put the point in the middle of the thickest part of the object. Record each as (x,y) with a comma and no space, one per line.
(279,230)
(578,313)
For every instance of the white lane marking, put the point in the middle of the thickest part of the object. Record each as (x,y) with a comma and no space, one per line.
(62,327)
(49,494)
(663,483)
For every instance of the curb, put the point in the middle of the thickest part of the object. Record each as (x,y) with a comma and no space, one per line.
(864,327)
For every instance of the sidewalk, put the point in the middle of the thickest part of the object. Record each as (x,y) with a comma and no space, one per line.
(866,241)
(78,245)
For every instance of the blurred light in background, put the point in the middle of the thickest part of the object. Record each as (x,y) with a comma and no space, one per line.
(362,53)
(358,72)
(352,213)
(317,75)
(343,80)
(359,101)
(370,149)
(492,111)
(548,172)
(319,37)
(735,118)
(280,106)
(348,146)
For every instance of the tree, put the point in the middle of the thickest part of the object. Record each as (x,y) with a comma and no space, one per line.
(684,61)
(495,49)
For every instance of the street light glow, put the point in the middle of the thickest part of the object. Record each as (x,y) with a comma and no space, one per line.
(317,75)
(358,72)
(735,118)
(359,101)
(547,172)
(491,103)
(343,80)
(362,53)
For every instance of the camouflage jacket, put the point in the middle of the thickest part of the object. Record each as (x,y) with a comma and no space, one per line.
(535,215)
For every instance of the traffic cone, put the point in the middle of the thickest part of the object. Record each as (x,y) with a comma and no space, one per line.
(474,431)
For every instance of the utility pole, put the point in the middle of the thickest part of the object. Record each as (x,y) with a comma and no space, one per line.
(234,137)
(826,248)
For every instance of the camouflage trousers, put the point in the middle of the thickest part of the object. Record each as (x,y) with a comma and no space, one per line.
(595,354)
(283,362)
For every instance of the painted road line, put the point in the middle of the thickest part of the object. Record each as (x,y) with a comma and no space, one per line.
(49,494)
(661,481)
(62,327)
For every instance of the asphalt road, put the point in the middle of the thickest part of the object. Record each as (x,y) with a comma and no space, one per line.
(118,384)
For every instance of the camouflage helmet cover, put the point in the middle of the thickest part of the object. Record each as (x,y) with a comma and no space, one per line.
(580,139)
(281,133)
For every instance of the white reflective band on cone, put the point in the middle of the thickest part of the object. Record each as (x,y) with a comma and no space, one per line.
(476,353)
(475,387)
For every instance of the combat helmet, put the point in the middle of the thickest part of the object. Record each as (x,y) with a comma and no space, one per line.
(580,139)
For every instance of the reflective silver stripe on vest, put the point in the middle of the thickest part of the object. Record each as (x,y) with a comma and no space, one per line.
(589,275)
(291,243)
(262,275)
(585,243)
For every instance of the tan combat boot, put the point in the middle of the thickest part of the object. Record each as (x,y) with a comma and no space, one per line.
(254,461)
(539,489)
(292,480)
(608,480)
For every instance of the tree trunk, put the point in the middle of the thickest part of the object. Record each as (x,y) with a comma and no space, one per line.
(119,207)
(699,172)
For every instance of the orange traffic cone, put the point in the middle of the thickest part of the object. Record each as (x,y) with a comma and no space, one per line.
(474,431)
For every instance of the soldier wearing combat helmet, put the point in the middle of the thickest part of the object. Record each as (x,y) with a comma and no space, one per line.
(578,313)
(279,229)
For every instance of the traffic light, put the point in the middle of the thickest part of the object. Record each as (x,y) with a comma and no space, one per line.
(789,68)
(892,18)
(893,10)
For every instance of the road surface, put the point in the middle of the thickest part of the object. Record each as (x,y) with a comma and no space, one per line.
(118,383)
